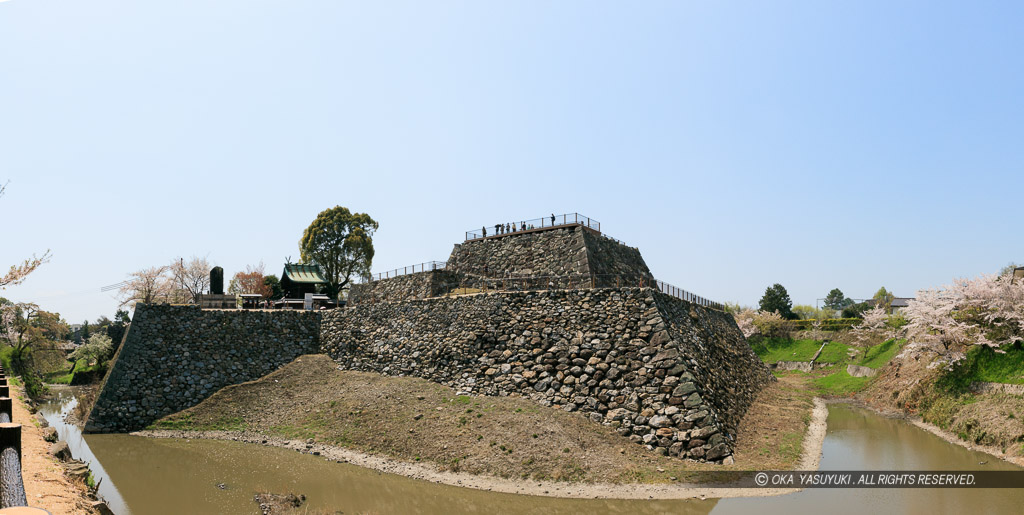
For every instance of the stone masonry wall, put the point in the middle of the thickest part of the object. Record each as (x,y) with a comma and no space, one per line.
(719,356)
(173,357)
(614,264)
(655,367)
(555,252)
(577,257)
(666,373)
(418,285)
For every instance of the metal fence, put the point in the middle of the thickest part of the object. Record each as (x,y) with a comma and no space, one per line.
(680,293)
(533,223)
(544,282)
(419,267)
(478,284)
(12,488)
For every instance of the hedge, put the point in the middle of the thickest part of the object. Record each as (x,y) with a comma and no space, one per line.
(831,324)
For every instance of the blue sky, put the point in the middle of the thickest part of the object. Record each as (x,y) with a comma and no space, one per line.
(737,144)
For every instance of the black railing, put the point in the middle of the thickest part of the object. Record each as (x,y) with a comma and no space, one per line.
(12,488)
(680,293)
(544,282)
(518,226)
(419,267)
(468,284)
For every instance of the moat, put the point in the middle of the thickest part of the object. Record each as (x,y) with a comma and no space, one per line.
(145,475)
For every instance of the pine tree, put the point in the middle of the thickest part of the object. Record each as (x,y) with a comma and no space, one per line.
(776,298)
(835,299)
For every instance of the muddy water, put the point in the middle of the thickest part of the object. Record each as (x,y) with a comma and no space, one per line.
(858,439)
(157,476)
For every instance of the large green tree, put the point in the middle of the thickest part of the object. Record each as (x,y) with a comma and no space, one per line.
(274,284)
(835,299)
(341,243)
(883,299)
(776,298)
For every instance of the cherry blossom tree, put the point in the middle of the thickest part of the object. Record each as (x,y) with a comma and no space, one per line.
(755,322)
(987,310)
(147,286)
(745,321)
(190,278)
(17,273)
(873,327)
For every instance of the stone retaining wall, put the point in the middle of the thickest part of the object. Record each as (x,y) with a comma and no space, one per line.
(614,264)
(418,285)
(554,252)
(665,372)
(569,256)
(983,387)
(803,366)
(859,371)
(173,357)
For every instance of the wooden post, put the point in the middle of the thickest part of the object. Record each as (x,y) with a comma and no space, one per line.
(6,410)
(12,488)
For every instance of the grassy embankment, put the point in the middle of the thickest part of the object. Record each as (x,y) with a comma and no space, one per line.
(31,382)
(940,397)
(415,420)
(66,376)
(995,419)
(831,380)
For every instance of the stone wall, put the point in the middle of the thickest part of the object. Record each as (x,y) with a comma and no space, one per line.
(614,264)
(983,387)
(418,285)
(173,357)
(718,356)
(667,373)
(565,257)
(555,252)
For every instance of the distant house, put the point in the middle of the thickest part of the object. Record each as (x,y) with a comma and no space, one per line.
(899,304)
(298,280)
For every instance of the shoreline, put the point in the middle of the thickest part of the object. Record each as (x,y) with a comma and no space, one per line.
(809,460)
(949,437)
(46,480)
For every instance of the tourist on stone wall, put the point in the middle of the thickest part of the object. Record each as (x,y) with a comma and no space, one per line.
(497,228)
(484,229)
(552,219)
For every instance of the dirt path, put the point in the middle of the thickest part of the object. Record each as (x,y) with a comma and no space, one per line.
(46,484)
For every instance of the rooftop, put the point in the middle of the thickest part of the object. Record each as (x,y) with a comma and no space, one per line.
(308,274)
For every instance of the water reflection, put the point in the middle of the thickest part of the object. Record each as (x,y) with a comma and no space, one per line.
(858,439)
(157,476)
(178,476)
(55,410)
